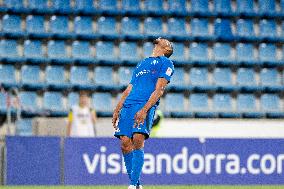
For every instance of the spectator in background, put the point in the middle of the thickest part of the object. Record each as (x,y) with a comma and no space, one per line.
(82,118)
(158,118)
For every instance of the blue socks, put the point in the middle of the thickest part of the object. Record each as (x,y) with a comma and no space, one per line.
(137,164)
(128,164)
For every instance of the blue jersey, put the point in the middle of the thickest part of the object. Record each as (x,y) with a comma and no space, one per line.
(145,77)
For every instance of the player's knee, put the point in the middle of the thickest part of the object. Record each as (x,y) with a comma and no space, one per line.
(126,145)
(138,141)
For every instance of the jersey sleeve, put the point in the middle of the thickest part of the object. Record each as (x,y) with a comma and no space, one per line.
(167,70)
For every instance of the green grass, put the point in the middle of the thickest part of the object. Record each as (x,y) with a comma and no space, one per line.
(145,187)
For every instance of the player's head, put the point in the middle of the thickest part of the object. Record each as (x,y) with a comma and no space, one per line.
(83,98)
(163,47)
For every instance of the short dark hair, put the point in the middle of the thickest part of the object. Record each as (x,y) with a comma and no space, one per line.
(169,52)
(83,93)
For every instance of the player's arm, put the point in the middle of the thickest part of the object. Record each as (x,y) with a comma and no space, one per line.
(70,119)
(120,104)
(155,96)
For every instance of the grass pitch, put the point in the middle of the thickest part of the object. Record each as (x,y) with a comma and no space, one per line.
(145,187)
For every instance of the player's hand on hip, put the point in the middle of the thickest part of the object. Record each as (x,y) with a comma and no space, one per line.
(140,117)
(115,117)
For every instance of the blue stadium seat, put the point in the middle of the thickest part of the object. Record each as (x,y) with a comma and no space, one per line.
(198,78)
(9,51)
(223,78)
(198,103)
(56,50)
(38,6)
(125,75)
(108,6)
(29,102)
(200,28)
(267,30)
(15,5)
(105,52)
(11,26)
(178,80)
(177,28)
(222,53)
(131,7)
(130,28)
(246,79)
(103,77)
(55,77)
(153,27)
(147,49)
(174,103)
(72,99)
(223,29)
(270,104)
(177,7)
(61,6)
(246,104)
(33,51)
(245,7)
(154,7)
(198,52)
(223,7)
(200,7)
(58,26)
(7,75)
(79,77)
(267,53)
(128,52)
(267,7)
(84,6)
(245,54)
(244,30)
(35,26)
(107,27)
(222,103)
(3,103)
(31,77)
(81,52)
(24,127)
(270,78)
(102,102)
(179,53)
(53,102)
(83,27)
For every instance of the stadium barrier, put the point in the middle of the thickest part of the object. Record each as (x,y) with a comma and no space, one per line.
(98,161)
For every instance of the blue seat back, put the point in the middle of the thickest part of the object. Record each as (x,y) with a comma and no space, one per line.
(30,74)
(151,5)
(245,6)
(244,28)
(153,26)
(107,5)
(130,5)
(198,102)
(53,101)
(147,49)
(35,24)
(267,28)
(178,79)
(198,51)
(128,51)
(198,76)
(199,27)
(58,24)
(244,52)
(177,5)
(60,4)
(222,6)
(7,74)
(270,77)
(9,48)
(24,127)
(56,49)
(270,102)
(174,102)
(179,52)
(222,51)
(267,52)
(83,25)
(266,6)
(106,25)
(200,6)
(223,28)
(79,75)
(130,26)
(28,101)
(177,26)
(33,49)
(125,75)
(246,103)
(72,99)
(102,102)
(222,76)
(84,4)
(222,102)
(246,77)
(103,76)
(38,4)
(105,50)
(55,75)
(81,49)
(11,23)
(13,3)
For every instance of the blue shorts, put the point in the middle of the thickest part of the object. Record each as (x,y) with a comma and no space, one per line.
(126,121)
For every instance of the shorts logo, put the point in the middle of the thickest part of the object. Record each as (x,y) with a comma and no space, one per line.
(169,71)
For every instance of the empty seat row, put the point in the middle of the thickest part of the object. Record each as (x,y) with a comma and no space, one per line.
(57,77)
(59,27)
(226,104)
(85,52)
(223,7)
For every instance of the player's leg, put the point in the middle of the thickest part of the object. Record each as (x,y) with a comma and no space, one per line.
(138,157)
(127,151)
